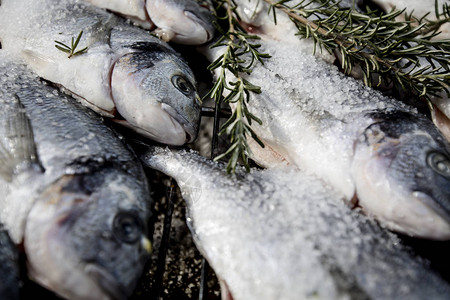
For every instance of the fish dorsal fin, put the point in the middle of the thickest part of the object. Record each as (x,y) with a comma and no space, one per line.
(17,147)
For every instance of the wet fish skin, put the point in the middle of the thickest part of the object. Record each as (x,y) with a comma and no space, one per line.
(314,117)
(73,194)
(250,12)
(312,246)
(9,267)
(183,21)
(111,77)
(180,21)
(132,9)
(161,79)
(409,157)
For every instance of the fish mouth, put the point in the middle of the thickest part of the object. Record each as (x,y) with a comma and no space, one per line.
(203,24)
(403,205)
(190,130)
(106,282)
(168,129)
(433,204)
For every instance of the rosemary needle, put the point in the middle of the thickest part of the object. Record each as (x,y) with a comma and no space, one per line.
(386,51)
(73,46)
(238,127)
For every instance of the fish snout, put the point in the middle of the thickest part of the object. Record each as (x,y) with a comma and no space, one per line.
(403,179)
(438,190)
(190,126)
(112,287)
(433,203)
(141,84)
(182,22)
(199,29)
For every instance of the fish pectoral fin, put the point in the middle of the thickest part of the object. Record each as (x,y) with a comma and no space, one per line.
(17,147)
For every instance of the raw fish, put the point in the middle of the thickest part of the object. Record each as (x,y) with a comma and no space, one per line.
(73,194)
(180,21)
(125,73)
(285,234)
(381,154)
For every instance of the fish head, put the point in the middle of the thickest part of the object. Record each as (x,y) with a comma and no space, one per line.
(155,92)
(183,21)
(86,236)
(402,175)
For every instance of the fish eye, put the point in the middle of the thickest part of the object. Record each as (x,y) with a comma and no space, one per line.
(127,227)
(439,163)
(182,85)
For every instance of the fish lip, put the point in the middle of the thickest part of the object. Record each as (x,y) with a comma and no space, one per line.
(433,204)
(106,282)
(203,23)
(189,130)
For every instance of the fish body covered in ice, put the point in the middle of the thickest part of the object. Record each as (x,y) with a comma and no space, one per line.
(9,267)
(180,21)
(284,234)
(125,73)
(73,195)
(372,148)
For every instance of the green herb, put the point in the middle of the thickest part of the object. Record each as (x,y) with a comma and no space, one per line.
(401,54)
(240,55)
(386,50)
(73,46)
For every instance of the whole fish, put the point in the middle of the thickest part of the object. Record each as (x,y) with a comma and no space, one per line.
(381,154)
(181,21)
(284,234)
(9,267)
(72,193)
(125,73)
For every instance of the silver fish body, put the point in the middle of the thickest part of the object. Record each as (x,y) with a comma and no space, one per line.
(9,267)
(125,74)
(72,193)
(183,21)
(284,234)
(321,121)
(134,10)
(180,21)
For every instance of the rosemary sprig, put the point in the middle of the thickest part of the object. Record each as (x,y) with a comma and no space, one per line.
(73,46)
(240,55)
(386,50)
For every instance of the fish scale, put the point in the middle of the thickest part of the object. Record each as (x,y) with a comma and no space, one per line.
(77,143)
(316,118)
(285,234)
(73,194)
(185,22)
(102,77)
